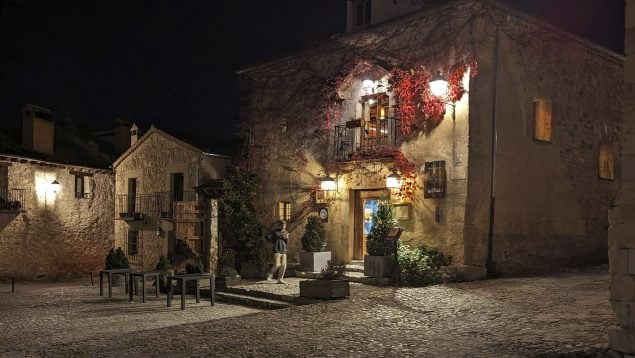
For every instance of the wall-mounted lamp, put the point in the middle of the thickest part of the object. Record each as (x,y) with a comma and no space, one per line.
(328,183)
(368,86)
(392,181)
(55,186)
(439,85)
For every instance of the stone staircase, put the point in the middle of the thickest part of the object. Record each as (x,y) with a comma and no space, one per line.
(257,299)
(354,273)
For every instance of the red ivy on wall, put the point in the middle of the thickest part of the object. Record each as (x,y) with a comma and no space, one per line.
(413,95)
(405,167)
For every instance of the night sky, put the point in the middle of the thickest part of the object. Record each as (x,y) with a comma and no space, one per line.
(173,63)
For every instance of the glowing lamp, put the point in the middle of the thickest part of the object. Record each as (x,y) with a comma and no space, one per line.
(368,86)
(55,186)
(328,184)
(439,85)
(392,181)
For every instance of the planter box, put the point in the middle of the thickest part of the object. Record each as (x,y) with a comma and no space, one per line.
(378,266)
(314,261)
(223,282)
(325,289)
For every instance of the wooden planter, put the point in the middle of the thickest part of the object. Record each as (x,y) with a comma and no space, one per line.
(314,261)
(324,289)
(378,266)
(221,283)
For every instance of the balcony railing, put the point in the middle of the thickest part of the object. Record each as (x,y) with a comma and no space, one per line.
(12,200)
(156,205)
(359,137)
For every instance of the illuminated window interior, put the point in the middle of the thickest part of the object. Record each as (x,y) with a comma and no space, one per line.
(543,116)
(606,161)
(284,210)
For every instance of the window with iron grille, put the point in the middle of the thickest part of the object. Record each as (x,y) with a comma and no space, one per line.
(284,210)
(133,243)
(434,180)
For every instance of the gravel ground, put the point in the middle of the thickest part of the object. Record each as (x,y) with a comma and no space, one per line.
(513,317)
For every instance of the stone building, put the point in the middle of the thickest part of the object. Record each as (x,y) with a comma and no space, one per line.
(56,202)
(163,202)
(498,129)
(622,215)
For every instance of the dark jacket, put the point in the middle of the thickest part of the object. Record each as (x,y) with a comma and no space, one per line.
(280,240)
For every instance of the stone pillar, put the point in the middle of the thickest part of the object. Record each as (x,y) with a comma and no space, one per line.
(622,217)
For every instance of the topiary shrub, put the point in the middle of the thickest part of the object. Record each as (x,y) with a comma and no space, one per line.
(314,238)
(383,220)
(116,259)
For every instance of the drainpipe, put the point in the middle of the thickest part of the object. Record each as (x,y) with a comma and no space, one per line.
(492,203)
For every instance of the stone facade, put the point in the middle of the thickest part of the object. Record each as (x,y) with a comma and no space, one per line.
(550,206)
(170,212)
(622,216)
(55,235)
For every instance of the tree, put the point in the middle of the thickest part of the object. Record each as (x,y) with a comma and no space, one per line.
(383,220)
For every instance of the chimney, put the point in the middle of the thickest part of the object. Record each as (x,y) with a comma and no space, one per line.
(122,135)
(134,134)
(37,129)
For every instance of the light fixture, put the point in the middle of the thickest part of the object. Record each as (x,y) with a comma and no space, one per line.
(392,181)
(55,186)
(439,85)
(368,86)
(328,184)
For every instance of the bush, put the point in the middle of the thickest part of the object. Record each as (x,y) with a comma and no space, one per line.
(196,267)
(333,270)
(164,264)
(383,221)
(314,238)
(418,264)
(116,259)
(228,271)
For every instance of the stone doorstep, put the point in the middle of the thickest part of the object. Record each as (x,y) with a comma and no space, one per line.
(251,301)
(357,277)
(355,268)
(292,299)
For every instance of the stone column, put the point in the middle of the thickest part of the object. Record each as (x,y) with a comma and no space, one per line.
(622,217)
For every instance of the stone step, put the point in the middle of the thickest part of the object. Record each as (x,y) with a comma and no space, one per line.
(353,277)
(355,267)
(292,299)
(257,302)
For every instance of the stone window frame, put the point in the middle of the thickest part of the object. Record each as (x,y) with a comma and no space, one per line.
(284,210)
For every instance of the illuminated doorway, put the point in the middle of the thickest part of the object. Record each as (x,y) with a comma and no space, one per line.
(366,203)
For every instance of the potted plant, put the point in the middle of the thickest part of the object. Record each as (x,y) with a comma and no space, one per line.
(228,277)
(377,263)
(166,269)
(116,259)
(314,258)
(330,285)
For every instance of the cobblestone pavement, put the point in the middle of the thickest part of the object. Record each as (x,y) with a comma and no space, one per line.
(514,317)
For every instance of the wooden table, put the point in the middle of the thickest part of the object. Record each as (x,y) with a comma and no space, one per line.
(144,275)
(191,277)
(111,274)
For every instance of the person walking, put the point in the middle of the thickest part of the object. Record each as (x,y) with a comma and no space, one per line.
(280,238)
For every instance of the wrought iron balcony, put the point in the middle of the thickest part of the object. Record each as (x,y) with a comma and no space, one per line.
(11,200)
(156,205)
(358,138)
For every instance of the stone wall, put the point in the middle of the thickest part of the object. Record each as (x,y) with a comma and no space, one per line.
(56,235)
(622,216)
(550,205)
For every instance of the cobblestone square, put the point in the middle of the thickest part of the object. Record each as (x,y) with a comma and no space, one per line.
(513,317)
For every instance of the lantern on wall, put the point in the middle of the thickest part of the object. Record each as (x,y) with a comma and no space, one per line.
(55,186)
(328,183)
(439,85)
(392,181)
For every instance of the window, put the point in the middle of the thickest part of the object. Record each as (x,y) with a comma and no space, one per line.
(434,180)
(284,210)
(362,13)
(176,186)
(82,186)
(606,161)
(543,116)
(133,243)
